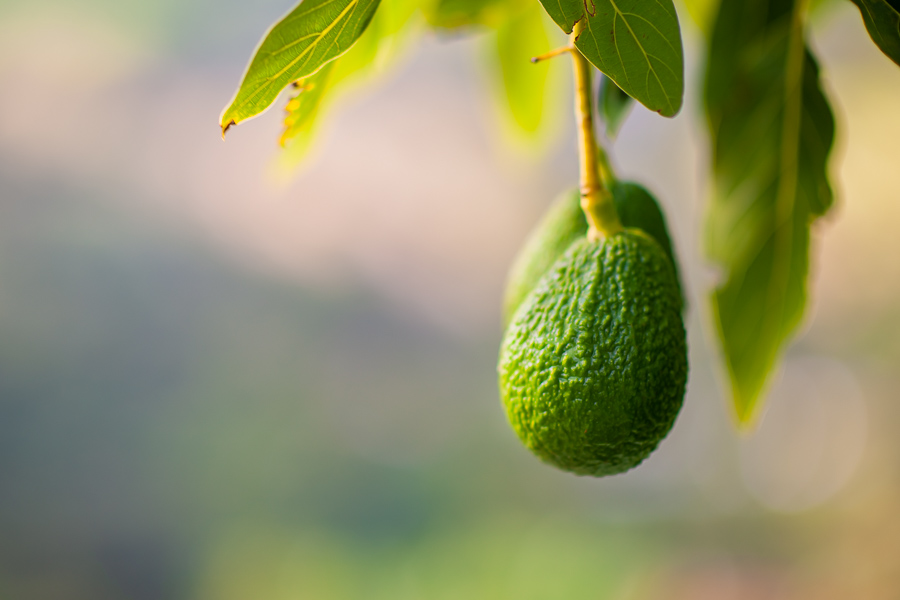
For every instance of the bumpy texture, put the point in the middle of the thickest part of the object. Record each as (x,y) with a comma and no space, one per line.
(594,364)
(564,223)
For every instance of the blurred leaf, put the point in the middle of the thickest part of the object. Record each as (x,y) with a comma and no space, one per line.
(312,34)
(635,43)
(374,49)
(303,108)
(520,38)
(772,131)
(702,12)
(453,14)
(882,19)
(614,106)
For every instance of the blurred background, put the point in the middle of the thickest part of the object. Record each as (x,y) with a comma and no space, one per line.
(221,383)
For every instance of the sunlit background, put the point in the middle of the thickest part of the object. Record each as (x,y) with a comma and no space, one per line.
(217,383)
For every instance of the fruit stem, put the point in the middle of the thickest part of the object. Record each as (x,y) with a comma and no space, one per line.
(596,199)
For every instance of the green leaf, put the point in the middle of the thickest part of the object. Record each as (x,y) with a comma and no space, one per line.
(454,14)
(565,13)
(314,33)
(772,131)
(520,38)
(614,106)
(882,19)
(636,43)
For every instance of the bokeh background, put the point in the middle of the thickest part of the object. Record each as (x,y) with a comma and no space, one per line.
(221,383)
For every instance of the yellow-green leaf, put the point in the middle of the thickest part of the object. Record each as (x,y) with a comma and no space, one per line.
(453,14)
(520,38)
(702,13)
(303,108)
(311,35)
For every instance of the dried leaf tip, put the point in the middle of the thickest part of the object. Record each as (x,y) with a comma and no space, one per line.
(226,127)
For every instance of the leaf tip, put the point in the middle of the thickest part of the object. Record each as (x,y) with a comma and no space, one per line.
(226,127)
(748,403)
(672,111)
(746,419)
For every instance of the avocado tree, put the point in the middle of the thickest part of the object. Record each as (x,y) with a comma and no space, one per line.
(593,363)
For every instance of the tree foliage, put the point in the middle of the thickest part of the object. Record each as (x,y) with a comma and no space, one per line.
(770,124)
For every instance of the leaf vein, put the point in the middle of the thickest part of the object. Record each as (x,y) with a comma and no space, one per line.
(644,52)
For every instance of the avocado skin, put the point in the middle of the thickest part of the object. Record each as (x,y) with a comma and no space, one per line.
(593,366)
(564,222)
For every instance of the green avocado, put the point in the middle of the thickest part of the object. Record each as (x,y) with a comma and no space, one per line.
(564,223)
(593,365)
